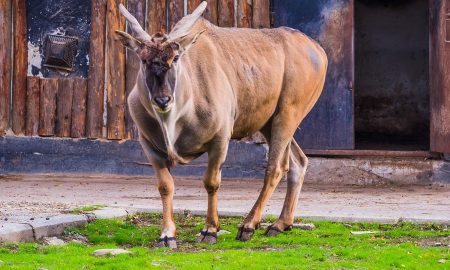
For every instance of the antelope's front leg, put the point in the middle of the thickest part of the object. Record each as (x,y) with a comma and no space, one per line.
(166,188)
(211,181)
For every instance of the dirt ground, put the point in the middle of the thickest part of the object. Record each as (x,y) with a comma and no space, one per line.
(25,196)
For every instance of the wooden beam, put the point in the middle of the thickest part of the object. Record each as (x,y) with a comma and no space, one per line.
(176,8)
(156,16)
(115,72)
(96,78)
(370,153)
(33,93)
(137,9)
(261,14)
(47,107)
(79,108)
(244,13)
(211,11)
(439,71)
(225,13)
(20,67)
(192,5)
(5,64)
(64,108)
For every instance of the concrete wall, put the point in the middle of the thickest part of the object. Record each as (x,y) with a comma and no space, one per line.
(23,155)
(391,68)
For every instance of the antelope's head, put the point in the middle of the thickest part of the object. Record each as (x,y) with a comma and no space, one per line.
(160,54)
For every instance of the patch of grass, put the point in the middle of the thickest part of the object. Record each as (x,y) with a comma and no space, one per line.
(86,208)
(329,246)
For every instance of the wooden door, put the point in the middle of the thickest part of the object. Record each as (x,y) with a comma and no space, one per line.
(330,125)
(440,75)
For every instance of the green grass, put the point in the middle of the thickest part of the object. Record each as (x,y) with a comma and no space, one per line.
(329,246)
(86,208)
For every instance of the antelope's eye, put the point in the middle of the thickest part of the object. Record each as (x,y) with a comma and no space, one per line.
(175,59)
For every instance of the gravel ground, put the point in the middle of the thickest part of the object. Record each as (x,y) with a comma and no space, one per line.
(30,196)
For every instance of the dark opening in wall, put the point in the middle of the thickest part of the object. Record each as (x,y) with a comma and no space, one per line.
(391,74)
(64,20)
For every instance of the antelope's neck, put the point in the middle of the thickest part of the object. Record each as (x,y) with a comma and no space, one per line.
(169,122)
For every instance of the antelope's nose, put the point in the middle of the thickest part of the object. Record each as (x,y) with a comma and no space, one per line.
(162,102)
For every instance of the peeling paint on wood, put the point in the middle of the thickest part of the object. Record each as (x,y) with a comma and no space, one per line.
(330,123)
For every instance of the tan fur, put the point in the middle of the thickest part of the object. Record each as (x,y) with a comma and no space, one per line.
(230,84)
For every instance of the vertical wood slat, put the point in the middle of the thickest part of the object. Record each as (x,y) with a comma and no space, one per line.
(115,85)
(156,16)
(5,64)
(32,118)
(192,5)
(211,11)
(439,76)
(137,9)
(261,14)
(64,107)
(244,13)
(47,107)
(20,67)
(79,108)
(225,13)
(176,8)
(96,79)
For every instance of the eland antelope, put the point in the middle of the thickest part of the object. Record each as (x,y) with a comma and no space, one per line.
(202,85)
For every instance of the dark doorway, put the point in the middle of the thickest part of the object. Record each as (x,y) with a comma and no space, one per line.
(392,74)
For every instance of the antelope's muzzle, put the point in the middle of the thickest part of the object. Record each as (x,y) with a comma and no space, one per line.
(162,102)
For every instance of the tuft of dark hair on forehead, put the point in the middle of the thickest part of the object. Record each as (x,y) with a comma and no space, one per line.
(159,52)
(159,38)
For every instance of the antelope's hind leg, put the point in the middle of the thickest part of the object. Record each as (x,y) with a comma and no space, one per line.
(297,168)
(279,135)
(211,181)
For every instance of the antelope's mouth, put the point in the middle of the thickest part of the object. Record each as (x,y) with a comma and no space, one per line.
(164,109)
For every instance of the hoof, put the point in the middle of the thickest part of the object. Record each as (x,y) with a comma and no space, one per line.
(170,242)
(207,237)
(274,231)
(245,234)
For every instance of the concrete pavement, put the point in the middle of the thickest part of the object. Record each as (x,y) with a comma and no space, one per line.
(23,197)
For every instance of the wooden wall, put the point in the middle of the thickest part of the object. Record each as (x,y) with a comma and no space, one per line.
(94,107)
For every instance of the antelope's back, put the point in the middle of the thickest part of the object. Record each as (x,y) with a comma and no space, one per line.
(250,66)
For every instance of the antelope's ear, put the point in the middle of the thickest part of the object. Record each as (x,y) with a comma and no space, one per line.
(128,41)
(187,41)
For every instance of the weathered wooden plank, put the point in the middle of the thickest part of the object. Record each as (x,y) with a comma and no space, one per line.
(226,13)
(47,106)
(137,8)
(96,78)
(176,8)
(211,11)
(439,76)
(5,64)
(20,67)
(192,5)
(32,118)
(244,13)
(115,84)
(330,124)
(64,107)
(156,16)
(261,14)
(79,108)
